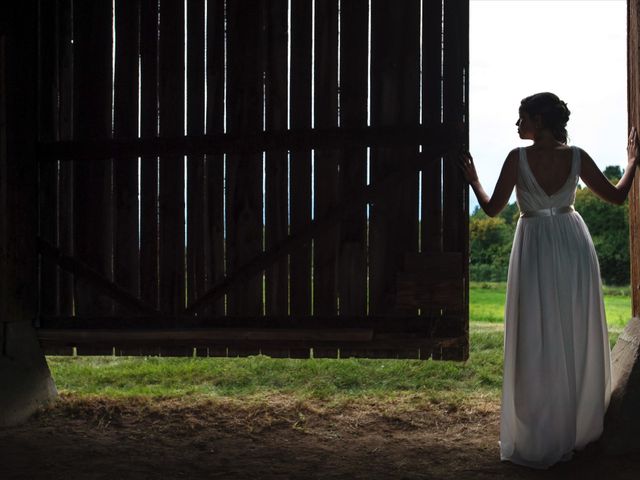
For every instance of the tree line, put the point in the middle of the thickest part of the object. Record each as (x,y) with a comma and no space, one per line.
(491,238)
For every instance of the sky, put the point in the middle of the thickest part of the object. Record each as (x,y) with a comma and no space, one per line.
(573,48)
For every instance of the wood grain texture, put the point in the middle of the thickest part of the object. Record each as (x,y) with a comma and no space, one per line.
(633,89)
(214,241)
(244,171)
(276,182)
(352,261)
(196,200)
(125,124)
(65,133)
(171,181)
(431,222)
(325,189)
(48,89)
(93,201)
(300,200)
(149,166)
(395,93)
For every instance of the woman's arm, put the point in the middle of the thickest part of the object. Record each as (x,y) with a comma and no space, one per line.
(600,185)
(504,186)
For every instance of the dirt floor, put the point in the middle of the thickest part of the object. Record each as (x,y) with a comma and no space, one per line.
(276,438)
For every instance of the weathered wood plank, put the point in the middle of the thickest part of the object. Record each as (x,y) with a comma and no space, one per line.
(171,181)
(276,208)
(395,92)
(453,111)
(300,165)
(149,166)
(65,132)
(400,327)
(455,208)
(125,124)
(325,246)
(48,131)
(93,213)
(214,242)
(195,165)
(18,166)
(244,171)
(633,101)
(431,222)
(352,268)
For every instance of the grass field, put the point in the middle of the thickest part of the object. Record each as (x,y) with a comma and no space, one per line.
(322,379)
(487,303)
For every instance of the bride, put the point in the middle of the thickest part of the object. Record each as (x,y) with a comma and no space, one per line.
(556,377)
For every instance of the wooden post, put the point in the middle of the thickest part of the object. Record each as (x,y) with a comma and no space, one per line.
(622,423)
(24,375)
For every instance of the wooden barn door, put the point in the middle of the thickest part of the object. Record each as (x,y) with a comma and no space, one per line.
(633,86)
(226,177)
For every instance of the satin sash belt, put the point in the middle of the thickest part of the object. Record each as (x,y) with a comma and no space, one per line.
(547,212)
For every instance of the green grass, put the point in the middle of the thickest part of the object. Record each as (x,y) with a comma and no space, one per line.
(320,379)
(312,378)
(486,303)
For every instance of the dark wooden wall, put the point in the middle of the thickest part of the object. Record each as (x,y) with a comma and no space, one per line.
(633,86)
(253,164)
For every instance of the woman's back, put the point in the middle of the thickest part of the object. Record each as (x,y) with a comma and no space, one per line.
(550,166)
(547,178)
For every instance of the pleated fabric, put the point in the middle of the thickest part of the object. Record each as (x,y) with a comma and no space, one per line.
(557,366)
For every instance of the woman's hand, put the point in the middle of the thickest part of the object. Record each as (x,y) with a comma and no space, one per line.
(633,149)
(465,161)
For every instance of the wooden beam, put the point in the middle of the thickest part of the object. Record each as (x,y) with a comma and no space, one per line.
(93,278)
(402,326)
(205,335)
(250,142)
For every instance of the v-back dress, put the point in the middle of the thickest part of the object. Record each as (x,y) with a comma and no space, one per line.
(557,365)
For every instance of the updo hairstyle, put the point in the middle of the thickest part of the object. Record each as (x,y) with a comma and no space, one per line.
(553,112)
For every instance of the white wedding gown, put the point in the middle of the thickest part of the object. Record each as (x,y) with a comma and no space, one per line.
(556,350)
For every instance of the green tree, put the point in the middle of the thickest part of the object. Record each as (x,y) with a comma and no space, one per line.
(490,244)
(609,228)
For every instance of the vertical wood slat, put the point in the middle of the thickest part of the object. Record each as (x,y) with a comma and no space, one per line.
(93,243)
(214,242)
(633,102)
(276,162)
(126,257)
(65,132)
(455,210)
(244,171)
(431,201)
(171,182)
(326,161)
(431,225)
(300,160)
(394,101)
(275,68)
(149,165)
(18,166)
(47,131)
(352,268)
(195,163)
